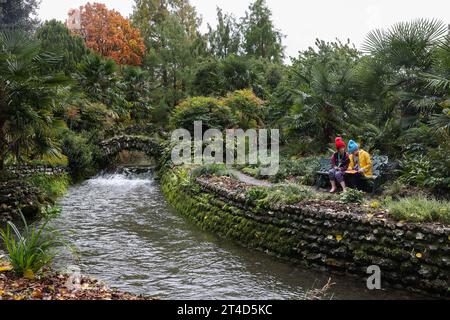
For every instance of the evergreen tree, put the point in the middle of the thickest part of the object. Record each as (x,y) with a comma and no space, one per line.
(170,30)
(225,39)
(19,14)
(261,38)
(56,38)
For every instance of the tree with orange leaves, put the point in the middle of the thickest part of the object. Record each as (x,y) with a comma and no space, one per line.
(111,35)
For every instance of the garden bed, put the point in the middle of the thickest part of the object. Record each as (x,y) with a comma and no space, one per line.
(320,201)
(319,233)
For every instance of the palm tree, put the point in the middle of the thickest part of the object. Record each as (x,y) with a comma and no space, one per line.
(323,103)
(98,78)
(136,86)
(405,74)
(28,98)
(402,63)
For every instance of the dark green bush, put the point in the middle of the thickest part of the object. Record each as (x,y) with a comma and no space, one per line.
(80,155)
(247,108)
(351,196)
(281,194)
(304,169)
(212,112)
(211,170)
(52,186)
(427,171)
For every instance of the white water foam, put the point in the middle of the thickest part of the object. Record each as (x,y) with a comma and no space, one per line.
(118,180)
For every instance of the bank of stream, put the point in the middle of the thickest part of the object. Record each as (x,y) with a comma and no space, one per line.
(127,236)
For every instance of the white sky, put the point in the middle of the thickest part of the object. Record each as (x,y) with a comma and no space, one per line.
(302,21)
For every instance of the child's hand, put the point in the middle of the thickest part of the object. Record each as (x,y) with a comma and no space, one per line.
(361,170)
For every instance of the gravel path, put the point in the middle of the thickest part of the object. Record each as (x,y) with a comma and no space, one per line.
(249,180)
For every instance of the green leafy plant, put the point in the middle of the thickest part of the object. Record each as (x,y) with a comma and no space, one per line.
(352,196)
(49,212)
(304,169)
(210,169)
(281,194)
(80,154)
(254,172)
(212,112)
(247,107)
(416,169)
(256,193)
(425,171)
(420,209)
(29,96)
(53,186)
(32,249)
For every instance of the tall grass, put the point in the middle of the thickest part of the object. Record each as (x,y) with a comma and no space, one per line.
(279,194)
(53,186)
(32,249)
(420,209)
(210,169)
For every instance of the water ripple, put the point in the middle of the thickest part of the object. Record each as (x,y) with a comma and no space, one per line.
(128,237)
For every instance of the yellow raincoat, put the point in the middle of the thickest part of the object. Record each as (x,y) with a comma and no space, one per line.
(364,162)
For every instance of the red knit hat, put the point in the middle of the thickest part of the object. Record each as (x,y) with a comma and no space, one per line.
(340,143)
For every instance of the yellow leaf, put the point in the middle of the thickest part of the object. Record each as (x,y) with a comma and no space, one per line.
(418,255)
(1,292)
(5,267)
(18,297)
(374,204)
(28,274)
(338,237)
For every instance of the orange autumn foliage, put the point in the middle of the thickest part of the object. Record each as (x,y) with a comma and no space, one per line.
(111,35)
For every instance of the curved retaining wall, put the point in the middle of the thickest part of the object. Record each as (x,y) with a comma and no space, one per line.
(411,256)
(24,170)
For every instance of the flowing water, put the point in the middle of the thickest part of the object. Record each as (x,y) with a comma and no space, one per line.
(127,236)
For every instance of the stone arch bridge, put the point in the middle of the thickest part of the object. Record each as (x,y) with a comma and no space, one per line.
(148,145)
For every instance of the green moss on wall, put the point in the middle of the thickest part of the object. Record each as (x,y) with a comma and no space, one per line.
(339,242)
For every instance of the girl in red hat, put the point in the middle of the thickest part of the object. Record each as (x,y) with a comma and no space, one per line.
(339,164)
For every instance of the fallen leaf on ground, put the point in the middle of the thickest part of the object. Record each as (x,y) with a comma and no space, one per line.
(28,274)
(53,287)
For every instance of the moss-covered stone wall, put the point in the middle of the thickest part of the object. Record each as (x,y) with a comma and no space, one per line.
(28,170)
(410,256)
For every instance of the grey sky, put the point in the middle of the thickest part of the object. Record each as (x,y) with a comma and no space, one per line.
(301,21)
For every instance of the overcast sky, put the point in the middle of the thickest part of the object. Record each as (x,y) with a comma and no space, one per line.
(302,21)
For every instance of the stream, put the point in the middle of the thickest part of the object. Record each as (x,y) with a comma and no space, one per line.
(127,236)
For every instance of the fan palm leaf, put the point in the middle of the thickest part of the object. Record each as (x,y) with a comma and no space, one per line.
(28,97)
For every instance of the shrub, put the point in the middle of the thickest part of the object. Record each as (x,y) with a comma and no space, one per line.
(304,168)
(247,108)
(416,169)
(48,212)
(429,171)
(207,78)
(420,209)
(209,169)
(30,250)
(52,186)
(256,193)
(80,155)
(351,196)
(210,111)
(282,194)
(254,172)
